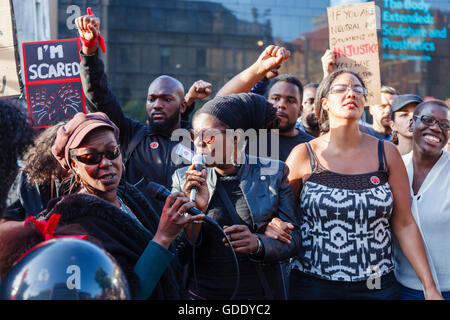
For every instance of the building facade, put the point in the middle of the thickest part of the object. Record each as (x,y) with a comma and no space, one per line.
(215,39)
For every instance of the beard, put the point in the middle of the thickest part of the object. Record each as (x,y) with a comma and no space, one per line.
(311,122)
(166,125)
(287,127)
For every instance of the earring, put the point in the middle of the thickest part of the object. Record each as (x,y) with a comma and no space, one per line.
(77,179)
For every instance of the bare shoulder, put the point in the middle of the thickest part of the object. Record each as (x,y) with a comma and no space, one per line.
(393,157)
(298,155)
(298,161)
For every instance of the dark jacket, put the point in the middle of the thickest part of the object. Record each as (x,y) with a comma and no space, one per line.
(268,195)
(147,154)
(28,200)
(120,235)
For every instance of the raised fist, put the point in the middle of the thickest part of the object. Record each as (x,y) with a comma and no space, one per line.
(88,26)
(198,91)
(271,59)
(328,62)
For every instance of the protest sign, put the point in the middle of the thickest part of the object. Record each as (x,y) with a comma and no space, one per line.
(353,39)
(52,79)
(9,79)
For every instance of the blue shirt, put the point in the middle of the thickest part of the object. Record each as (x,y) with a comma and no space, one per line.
(367,128)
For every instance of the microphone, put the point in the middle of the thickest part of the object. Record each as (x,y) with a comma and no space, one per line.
(199,161)
(159,192)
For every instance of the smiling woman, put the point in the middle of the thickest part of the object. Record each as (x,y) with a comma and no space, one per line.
(428,167)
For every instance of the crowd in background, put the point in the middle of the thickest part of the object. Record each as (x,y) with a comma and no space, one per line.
(336,209)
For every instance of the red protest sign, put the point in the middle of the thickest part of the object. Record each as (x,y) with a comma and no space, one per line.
(52,80)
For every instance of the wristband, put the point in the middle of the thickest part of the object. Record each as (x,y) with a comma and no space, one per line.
(93,42)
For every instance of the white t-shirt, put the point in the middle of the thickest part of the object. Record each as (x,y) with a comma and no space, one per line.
(431,210)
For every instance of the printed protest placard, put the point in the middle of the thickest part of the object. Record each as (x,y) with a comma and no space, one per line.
(52,79)
(353,38)
(9,79)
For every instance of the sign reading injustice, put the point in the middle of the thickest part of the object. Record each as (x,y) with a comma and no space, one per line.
(52,79)
(353,39)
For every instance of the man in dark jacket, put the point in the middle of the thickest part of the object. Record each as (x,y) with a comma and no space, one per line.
(149,153)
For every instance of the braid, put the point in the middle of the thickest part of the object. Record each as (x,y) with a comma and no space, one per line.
(15,136)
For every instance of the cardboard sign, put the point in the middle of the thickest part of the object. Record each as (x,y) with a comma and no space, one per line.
(353,38)
(52,79)
(9,79)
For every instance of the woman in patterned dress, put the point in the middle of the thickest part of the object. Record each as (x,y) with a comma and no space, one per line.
(352,194)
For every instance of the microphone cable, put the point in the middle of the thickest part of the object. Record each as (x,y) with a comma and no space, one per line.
(161,193)
(236,262)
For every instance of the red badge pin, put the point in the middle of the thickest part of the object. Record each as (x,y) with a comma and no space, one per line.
(375,180)
(154,145)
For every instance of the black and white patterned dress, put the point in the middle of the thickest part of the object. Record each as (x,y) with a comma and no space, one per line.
(345,223)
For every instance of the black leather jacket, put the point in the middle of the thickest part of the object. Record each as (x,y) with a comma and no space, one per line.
(268,195)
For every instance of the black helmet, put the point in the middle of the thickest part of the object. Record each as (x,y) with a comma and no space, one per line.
(65,269)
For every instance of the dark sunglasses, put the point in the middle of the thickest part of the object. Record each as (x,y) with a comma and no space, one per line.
(96,157)
(206,135)
(430,121)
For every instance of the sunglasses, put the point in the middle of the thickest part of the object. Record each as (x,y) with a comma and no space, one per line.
(208,136)
(430,121)
(93,158)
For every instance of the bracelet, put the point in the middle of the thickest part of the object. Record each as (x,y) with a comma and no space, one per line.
(259,248)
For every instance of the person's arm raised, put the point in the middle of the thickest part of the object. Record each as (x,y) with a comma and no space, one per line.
(95,81)
(328,62)
(198,91)
(89,29)
(270,59)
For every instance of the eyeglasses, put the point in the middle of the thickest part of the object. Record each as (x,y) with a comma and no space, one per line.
(208,136)
(342,88)
(430,121)
(93,158)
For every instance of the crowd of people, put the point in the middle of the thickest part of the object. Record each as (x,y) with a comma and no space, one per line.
(295,197)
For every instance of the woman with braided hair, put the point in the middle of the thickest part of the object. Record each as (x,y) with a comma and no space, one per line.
(40,179)
(15,136)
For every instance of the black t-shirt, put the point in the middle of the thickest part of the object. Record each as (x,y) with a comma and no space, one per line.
(215,272)
(288,143)
(285,144)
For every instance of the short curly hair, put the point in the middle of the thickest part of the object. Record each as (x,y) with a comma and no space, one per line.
(15,136)
(39,162)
